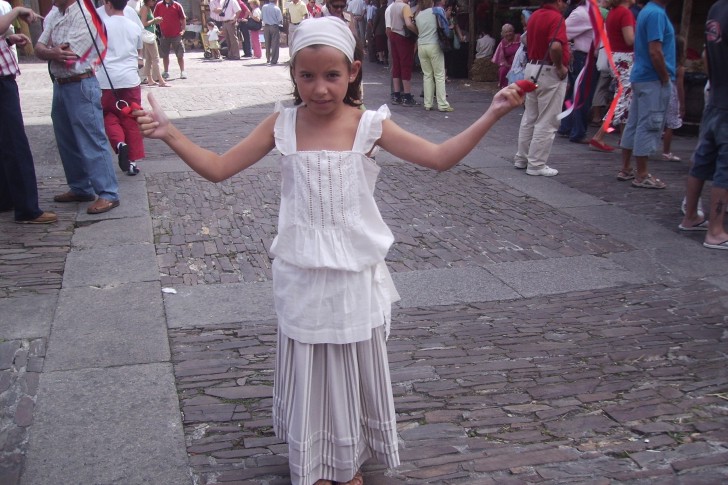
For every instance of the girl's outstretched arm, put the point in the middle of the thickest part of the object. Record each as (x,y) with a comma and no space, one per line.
(210,165)
(407,146)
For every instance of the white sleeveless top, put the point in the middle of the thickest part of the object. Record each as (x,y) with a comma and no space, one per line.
(330,282)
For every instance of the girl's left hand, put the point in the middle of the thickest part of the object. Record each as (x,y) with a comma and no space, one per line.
(154,124)
(506,99)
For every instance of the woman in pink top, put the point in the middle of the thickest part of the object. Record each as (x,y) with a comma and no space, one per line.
(505,52)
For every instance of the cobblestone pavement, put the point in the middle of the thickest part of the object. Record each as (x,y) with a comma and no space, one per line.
(221,234)
(617,385)
(614,386)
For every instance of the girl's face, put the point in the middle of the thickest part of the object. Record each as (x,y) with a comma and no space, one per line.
(322,75)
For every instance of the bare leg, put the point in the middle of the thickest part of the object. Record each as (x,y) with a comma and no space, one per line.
(667,140)
(692,195)
(397,84)
(626,160)
(641,167)
(181,62)
(165,63)
(406,86)
(718,202)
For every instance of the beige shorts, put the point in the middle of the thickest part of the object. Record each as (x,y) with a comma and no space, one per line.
(171,43)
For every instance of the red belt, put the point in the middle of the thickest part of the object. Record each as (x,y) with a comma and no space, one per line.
(76,78)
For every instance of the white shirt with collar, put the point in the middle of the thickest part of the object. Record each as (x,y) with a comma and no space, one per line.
(230,13)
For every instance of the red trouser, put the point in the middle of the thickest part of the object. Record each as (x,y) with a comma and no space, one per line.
(119,127)
(403,55)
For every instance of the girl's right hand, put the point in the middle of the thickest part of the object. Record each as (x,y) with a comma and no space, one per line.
(153,124)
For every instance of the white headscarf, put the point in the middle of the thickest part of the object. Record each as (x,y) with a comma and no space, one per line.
(330,31)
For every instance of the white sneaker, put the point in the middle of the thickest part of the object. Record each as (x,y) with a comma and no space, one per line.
(133,170)
(182,75)
(544,171)
(684,204)
(519,164)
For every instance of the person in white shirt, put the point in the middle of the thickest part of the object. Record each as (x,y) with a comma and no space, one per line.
(5,8)
(226,13)
(120,84)
(357,9)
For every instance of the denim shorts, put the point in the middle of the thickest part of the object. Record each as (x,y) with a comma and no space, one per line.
(710,160)
(646,117)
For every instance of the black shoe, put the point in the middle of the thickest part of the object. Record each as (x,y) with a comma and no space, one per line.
(123,149)
(396,99)
(409,101)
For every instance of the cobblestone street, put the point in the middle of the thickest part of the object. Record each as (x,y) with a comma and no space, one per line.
(612,386)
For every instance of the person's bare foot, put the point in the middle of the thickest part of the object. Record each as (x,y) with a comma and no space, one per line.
(357,480)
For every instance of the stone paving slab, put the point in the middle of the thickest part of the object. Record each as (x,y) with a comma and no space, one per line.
(103,327)
(203,305)
(102,426)
(619,385)
(449,286)
(27,316)
(114,232)
(210,305)
(561,275)
(548,191)
(110,266)
(133,202)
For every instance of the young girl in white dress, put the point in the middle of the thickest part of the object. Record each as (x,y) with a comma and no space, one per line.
(332,397)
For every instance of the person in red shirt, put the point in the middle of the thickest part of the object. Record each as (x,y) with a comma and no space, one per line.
(172,27)
(620,31)
(548,51)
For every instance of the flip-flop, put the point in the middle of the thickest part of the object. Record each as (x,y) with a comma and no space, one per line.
(723,245)
(701,226)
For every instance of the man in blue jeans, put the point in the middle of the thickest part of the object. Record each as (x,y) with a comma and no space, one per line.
(78,121)
(652,72)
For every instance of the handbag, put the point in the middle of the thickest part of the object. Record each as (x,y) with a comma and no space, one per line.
(254,24)
(148,37)
(408,34)
(444,41)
